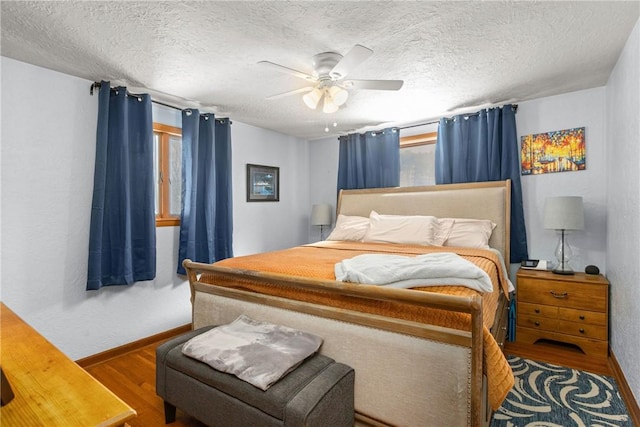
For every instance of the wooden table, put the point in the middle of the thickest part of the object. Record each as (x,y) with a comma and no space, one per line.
(50,389)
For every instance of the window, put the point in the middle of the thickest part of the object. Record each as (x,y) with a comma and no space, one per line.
(417,159)
(167,169)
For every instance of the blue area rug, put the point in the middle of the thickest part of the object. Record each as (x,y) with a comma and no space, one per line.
(547,395)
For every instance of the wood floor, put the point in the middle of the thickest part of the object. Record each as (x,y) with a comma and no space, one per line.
(131,376)
(556,354)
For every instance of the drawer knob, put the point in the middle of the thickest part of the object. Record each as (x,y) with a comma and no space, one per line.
(581,317)
(581,331)
(558,295)
(536,323)
(537,310)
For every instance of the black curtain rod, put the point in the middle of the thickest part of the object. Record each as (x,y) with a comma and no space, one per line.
(166,105)
(419,124)
(514,106)
(96,85)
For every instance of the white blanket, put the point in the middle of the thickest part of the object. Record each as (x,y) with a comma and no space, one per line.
(257,352)
(397,271)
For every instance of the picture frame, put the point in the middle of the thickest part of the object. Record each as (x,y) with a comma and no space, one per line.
(263,183)
(557,151)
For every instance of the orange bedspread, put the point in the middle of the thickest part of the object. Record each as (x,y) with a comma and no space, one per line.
(318,261)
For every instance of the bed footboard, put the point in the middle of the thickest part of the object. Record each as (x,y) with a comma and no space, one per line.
(407,373)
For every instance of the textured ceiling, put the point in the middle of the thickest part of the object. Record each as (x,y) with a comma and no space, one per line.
(453,56)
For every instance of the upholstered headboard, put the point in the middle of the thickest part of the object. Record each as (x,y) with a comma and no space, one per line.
(483,200)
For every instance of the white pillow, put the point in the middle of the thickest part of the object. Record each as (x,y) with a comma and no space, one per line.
(442,231)
(470,233)
(349,228)
(406,229)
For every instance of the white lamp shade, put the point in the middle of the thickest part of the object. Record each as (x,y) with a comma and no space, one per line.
(564,213)
(338,95)
(329,105)
(312,98)
(321,214)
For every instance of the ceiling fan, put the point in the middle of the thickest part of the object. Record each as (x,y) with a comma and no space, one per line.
(329,71)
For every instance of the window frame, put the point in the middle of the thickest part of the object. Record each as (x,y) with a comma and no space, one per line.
(412,141)
(164,218)
(417,140)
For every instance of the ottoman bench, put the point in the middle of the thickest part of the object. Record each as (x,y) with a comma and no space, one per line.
(319,392)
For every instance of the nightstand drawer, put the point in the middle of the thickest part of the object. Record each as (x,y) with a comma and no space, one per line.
(582,330)
(562,294)
(527,309)
(582,316)
(537,322)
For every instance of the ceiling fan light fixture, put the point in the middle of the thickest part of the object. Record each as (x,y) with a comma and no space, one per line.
(312,98)
(329,105)
(338,95)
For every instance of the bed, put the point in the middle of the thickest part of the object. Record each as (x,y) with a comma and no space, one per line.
(422,356)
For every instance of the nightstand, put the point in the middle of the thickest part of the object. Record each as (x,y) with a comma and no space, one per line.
(572,309)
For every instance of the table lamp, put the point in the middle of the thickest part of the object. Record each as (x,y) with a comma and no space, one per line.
(321,215)
(562,214)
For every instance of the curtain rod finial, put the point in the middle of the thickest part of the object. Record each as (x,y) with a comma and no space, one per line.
(94,85)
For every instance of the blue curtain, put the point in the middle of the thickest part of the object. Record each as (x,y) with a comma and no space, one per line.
(484,147)
(369,160)
(122,242)
(206,225)
(224,200)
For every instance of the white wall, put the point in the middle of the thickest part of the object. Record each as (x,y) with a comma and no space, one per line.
(48,155)
(323,179)
(577,109)
(623,208)
(265,226)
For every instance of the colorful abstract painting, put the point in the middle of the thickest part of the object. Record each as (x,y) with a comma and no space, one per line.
(557,151)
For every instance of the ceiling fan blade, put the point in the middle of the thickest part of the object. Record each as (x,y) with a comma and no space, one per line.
(351,60)
(373,84)
(288,70)
(291,92)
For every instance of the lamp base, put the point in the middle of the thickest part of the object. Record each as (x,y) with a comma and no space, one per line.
(564,254)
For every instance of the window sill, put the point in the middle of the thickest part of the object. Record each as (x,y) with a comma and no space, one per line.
(167,222)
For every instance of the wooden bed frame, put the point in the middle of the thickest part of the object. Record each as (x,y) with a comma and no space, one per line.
(407,373)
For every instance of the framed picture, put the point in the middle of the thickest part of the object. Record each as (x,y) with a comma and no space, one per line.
(557,151)
(263,183)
